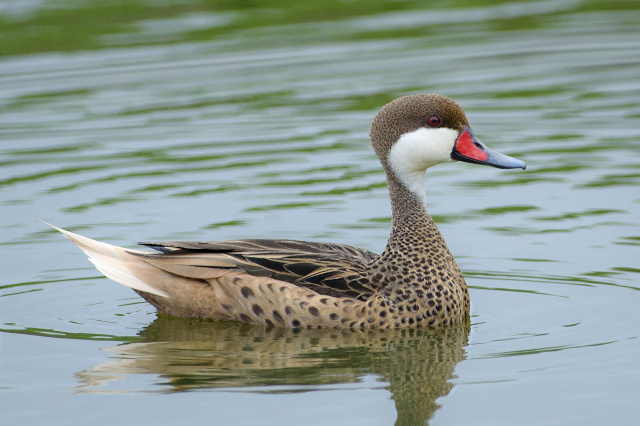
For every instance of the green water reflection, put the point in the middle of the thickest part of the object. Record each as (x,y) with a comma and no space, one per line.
(93,25)
(417,364)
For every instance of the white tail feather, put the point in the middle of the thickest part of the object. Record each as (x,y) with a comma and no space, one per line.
(118,271)
(112,261)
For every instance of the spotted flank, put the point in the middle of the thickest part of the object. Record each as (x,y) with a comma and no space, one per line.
(415,282)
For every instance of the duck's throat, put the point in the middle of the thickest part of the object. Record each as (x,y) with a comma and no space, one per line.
(416,250)
(408,205)
(416,277)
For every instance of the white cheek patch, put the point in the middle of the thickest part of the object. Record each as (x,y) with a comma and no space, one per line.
(416,151)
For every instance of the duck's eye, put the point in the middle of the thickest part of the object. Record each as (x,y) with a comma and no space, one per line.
(433,121)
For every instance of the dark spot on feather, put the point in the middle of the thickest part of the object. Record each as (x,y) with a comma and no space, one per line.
(304,304)
(247,318)
(278,317)
(246,292)
(237,280)
(334,317)
(296,323)
(257,310)
(288,310)
(324,301)
(314,311)
(227,308)
(269,323)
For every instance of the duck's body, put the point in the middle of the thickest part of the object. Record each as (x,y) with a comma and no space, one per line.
(284,283)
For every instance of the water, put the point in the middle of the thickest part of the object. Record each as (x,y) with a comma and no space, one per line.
(183,121)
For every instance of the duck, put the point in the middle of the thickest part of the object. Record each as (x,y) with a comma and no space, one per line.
(414,282)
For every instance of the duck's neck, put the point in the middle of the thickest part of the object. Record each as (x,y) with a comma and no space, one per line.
(416,275)
(415,245)
(408,207)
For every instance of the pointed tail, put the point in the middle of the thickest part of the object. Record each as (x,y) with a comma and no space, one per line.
(114,262)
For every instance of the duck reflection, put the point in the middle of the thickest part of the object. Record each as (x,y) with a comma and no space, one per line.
(196,354)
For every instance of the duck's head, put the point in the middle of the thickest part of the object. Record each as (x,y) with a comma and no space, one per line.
(416,132)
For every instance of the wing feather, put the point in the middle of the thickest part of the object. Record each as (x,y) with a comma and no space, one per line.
(329,269)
